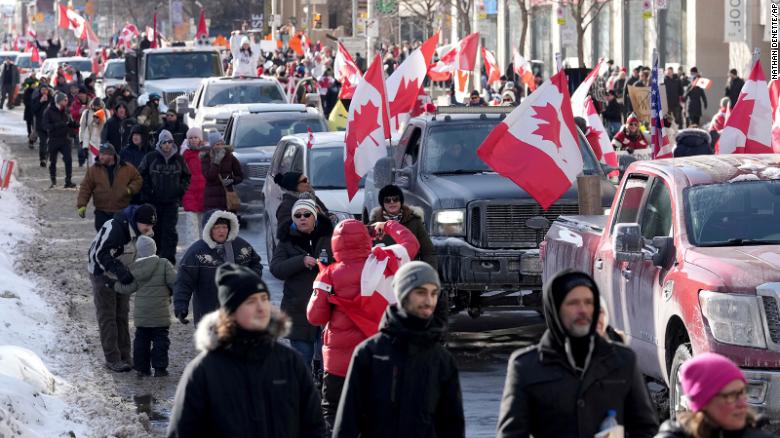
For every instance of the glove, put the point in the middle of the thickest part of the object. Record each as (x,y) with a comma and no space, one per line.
(82,212)
(182,317)
(129,191)
(126,277)
(227,182)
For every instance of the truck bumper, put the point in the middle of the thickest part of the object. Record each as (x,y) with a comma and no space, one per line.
(764,392)
(465,267)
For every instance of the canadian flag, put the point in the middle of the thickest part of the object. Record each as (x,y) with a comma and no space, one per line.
(202,31)
(491,66)
(749,127)
(598,137)
(442,70)
(404,84)
(580,95)
(35,57)
(368,127)
(346,72)
(522,69)
(465,60)
(536,146)
(126,35)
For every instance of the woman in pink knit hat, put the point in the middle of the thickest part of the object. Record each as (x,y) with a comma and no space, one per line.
(716,391)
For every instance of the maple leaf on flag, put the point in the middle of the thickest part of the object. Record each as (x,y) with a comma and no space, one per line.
(551,128)
(359,132)
(407,92)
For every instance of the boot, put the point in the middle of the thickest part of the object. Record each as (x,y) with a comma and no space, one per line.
(53,183)
(69,185)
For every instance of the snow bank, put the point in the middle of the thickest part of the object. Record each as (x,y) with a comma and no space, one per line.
(31,398)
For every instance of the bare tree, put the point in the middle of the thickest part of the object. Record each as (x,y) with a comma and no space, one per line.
(424,12)
(524,23)
(585,13)
(463,8)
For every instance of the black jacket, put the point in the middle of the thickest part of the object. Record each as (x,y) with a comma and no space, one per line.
(545,395)
(402,382)
(57,125)
(284,211)
(198,267)
(117,132)
(9,75)
(674,91)
(165,180)
(673,429)
(733,89)
(287,265)
(613,112)
(695,101)
(38,107)
(178,130)
(109,244)
(251,386)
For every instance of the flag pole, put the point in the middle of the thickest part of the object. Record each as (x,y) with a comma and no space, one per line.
(558,62)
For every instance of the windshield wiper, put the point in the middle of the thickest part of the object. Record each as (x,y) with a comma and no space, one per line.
(742,242)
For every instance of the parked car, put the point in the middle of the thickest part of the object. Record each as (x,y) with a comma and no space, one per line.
(26,66)
(218,98)
(481,224)
(113,76)
(80,63)
(323,163)
(254,134)
(688,261)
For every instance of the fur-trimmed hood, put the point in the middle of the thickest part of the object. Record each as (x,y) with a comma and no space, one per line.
(407,210)
(206,338)
(208,223)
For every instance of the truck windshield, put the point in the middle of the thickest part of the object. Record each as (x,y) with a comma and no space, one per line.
(257,131)
(182,65)
(84,66)
(229,93)
(322,162)
(453,149)
(26,62)
(733,214)
(115,70)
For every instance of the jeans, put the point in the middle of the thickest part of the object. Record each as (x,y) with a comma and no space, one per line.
(150,346)
(113,311)
(165,235)
(64,149)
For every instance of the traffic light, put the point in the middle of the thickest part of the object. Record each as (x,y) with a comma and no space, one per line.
(317,21)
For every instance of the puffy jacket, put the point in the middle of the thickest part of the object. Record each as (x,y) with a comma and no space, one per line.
(199,265)
(673,429)
(351,245)
(411,218)
(117,131)
(91,127)
(165,179)
(109,197)
(214,191)
(249,386)
(287,265)
(402,382)
(193,198)
(623,141)
(133,153)
(57,124)
(153,282)
(244,64)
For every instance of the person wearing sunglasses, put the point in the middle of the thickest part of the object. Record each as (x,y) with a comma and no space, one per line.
(630,138)
(295,186)
(304,240)
(716,390)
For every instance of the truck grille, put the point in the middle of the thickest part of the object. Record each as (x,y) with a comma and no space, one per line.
(257,171)
(169,97)
(503,225)
(772,318)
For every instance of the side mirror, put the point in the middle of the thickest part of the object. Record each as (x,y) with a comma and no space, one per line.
(383,172)
(404,177)
(181,105)
(628,242)
(664,246)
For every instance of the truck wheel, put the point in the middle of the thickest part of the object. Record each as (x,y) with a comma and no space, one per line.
(676,402)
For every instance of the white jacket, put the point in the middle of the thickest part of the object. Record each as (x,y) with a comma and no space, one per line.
(244,64)
(90,129)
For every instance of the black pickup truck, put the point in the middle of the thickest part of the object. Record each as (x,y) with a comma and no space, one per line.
(486,230)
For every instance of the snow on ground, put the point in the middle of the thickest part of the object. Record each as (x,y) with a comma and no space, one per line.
(31,398)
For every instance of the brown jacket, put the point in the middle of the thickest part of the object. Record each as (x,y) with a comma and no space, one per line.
(109,198)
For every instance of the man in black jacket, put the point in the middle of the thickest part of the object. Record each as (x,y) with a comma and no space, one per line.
(565,385)
(110,254)
(9,79)
(695,99)
(118,127)
(734,86)
(52,49)
(674,92)
(402,382)
(166,179)
(58,125)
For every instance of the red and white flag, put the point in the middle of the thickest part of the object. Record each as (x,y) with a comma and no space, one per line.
(126,36)
(522,69)
(35,57)
(202,31)
(580,95)
(536,146)
(154,32)
(491,66)
(441,70)
(368,127)
(467,52)
(404,84)
(702,83)
(599,138)
(749,127)
(346,72)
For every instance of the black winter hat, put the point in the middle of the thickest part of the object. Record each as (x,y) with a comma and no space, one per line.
(235,284)
(146,214)
(288,181)
(390,190)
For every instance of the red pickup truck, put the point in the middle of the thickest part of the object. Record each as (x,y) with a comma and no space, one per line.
(688,261)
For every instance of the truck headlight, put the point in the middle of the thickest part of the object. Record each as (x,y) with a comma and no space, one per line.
(449,222)
(733,319)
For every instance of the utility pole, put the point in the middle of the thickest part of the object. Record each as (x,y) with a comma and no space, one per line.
(272,21)
(369,25)
(354,18)
(477,76)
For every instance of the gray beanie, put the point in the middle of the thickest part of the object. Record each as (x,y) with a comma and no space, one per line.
(145,246)
(165,135)
(305,204)
(59,97)
(411,275)
(214,137)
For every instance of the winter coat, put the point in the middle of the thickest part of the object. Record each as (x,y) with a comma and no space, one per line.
(284,211)
(613,112)
(692,141)
(623,141)
(10,73)
(39,107)
(106,196)
(244,64)
(250,386)
(199,265)
(351,247)
(117,132)
(411,218)
(150,118)
(30,87)
(674,91)
(130,101)
(57,125)
(287,265)
(214,191)
(673,429)
(90,128)
(165,179)
(113,248)
(733,89)
(695,101)
(178,130)
(133,153)
(548,393)
(402,382)
(193,198)
(153,282)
